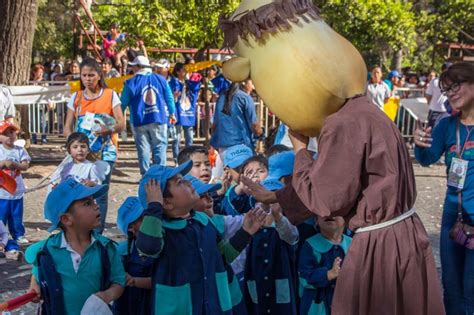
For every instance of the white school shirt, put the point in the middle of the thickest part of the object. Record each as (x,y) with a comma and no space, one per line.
(377,93)
(16,154)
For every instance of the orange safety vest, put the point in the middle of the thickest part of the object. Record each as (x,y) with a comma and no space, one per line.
(100,105)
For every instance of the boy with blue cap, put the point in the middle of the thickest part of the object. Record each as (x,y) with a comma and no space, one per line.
(189,275)
(270,268)
(136,299)
(77,267)
(281,166)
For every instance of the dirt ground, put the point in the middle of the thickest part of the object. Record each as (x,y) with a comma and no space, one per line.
(14,276)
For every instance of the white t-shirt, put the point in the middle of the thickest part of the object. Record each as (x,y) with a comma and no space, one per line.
(87,170)
(7,107)
(437,98)
(115,99)
(18,155)
(377,93)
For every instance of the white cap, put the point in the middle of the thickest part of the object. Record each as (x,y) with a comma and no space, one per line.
(140,61)
(163,63)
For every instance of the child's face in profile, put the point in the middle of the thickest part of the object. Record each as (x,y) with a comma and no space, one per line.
(205,204)
(183,197)
(10,133)
(330,225)
(255,171)
(79,151)
(83,215)
(201,167)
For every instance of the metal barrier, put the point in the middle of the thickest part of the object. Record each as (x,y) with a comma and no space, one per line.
(411,111)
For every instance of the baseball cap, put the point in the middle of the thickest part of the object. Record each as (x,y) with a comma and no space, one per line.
(140,61)
(161,174)
(163,63)
(281,164)
(130,210)
(5,125)
(393,73)
(63,196)
(272,184)
(200,187)
(236,155)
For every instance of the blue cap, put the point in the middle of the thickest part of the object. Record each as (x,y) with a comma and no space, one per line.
(64,195)
(200,187)
(161,174)
(236,155)
(393,73)
(272,184)
(129,212)
(221,84)
(281,164)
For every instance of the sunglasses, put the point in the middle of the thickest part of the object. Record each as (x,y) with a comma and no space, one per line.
(454,88)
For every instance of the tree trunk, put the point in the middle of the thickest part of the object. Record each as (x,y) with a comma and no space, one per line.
(17,29)
(397,60)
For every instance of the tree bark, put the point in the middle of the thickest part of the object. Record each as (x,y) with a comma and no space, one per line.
(17,29)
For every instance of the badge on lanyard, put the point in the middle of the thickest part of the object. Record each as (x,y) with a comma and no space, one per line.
(457,173)
(88,121)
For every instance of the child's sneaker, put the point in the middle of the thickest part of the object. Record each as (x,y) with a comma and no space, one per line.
(14,254)
(22,240)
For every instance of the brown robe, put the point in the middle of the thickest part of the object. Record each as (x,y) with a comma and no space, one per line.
(364,173)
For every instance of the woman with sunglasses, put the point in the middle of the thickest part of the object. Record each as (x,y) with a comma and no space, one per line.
(454,137)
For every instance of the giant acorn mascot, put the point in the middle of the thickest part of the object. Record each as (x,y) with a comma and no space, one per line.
(314,81)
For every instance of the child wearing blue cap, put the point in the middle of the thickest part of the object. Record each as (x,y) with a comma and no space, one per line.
(319,265)
(189,275)
(76,268)
(136,299)
(270,269)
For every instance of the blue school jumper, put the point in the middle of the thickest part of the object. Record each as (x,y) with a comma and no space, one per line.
(134,300)
(236,295)
(316,258)
(270,273)
(189,276)
(234,204)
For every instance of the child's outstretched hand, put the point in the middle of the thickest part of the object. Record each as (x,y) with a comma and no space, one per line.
(226,182)
(276,211)
(336,268)
(254,220)
(34,287)
(153,192)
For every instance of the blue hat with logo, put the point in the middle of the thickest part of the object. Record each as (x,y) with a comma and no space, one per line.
(272,184)
(393,73)
(161,174)
(281,164)
(130,210)
(200,187)
(64,195)
(236,155)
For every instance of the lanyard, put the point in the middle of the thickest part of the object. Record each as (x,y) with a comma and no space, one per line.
(459,150)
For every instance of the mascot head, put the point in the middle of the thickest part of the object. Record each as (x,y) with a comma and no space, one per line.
(302,69)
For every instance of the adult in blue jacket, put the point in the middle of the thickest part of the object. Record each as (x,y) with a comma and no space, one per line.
(148,94)
(454,137)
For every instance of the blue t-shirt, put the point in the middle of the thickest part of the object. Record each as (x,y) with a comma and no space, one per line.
(235,128)
(444,142)
(149,97)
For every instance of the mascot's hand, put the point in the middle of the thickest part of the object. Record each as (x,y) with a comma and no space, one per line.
(299,141)
(236,69)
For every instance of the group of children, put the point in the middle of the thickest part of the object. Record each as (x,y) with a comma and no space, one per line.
(194,245)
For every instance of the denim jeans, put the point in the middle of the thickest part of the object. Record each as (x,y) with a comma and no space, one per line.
(103,201)
(457,265)
(188,139)
(151,140)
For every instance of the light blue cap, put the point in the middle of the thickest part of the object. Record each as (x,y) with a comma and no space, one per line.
(236,155)
(64,195)
(129,212)
(281,164)
(200,187)
(161,174)
(272,183)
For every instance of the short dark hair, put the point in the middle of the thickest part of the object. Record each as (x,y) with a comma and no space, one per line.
(177,68)
(76,136)
(256,158)
(185,154)
(277,148)
(457,73)
(107,61)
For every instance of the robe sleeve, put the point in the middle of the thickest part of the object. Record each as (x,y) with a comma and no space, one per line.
(330,185)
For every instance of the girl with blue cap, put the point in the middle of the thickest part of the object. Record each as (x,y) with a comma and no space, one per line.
(136,298)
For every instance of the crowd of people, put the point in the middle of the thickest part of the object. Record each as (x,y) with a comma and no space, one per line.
(201,239)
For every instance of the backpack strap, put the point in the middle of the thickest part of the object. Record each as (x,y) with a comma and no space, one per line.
(105,262)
